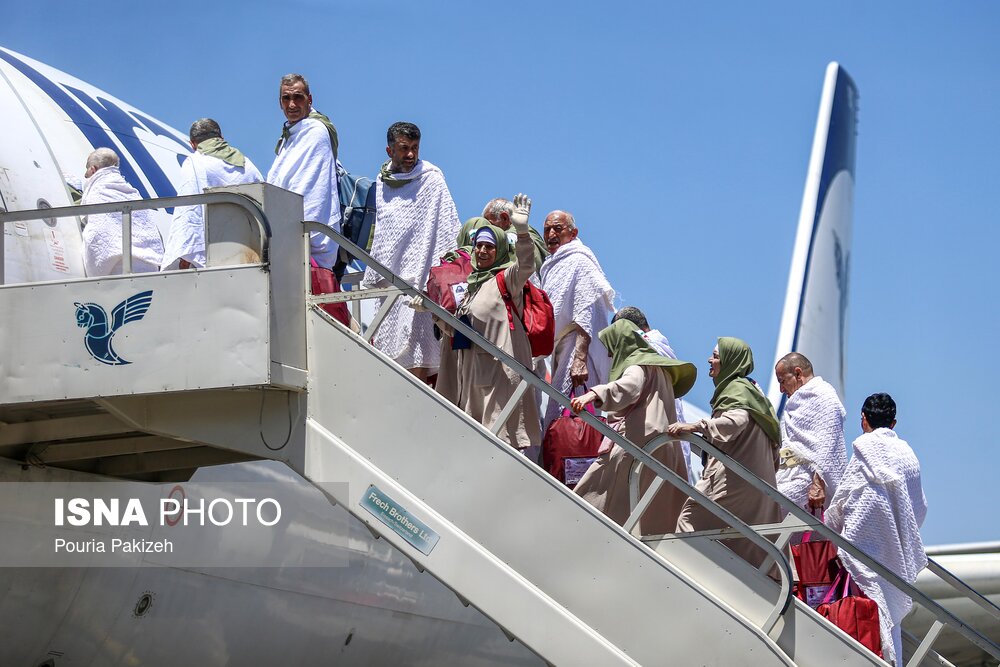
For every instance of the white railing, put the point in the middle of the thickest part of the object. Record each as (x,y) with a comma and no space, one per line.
(398,287)
(643,457)
(127,207)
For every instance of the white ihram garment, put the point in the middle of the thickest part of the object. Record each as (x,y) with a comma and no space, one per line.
(186,238)
(812,426)
(879,507)
(415,224)
(305,164)
(102,235)
(580,294)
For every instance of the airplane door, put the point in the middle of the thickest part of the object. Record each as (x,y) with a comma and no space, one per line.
(37,250)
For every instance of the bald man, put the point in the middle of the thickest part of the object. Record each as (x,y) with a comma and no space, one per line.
(813,450)
(582,300)
(102,233)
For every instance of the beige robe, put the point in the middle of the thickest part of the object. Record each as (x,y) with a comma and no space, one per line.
(640,405)
(473,378)
(736,433)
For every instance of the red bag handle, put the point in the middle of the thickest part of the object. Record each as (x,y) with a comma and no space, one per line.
(505,295)
(807,535)
(590,406)
(841,586)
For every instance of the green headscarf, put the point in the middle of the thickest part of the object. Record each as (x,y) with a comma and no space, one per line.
(286,132)
(734,391)
(504,259)
(219,148)
(629,348)
(466,235)
(472,225)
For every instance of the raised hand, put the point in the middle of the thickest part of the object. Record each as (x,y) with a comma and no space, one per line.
(522,208)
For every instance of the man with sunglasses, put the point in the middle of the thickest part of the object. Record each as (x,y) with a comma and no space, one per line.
(306,163)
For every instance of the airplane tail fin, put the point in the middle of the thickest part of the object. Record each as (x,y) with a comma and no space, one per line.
(814,320)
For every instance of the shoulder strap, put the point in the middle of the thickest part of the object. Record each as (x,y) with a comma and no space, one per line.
(505,295)
(502,284)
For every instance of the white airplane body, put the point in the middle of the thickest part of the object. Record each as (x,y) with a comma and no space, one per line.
(377,608)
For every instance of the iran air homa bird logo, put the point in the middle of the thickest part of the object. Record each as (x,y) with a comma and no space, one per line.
(94,319)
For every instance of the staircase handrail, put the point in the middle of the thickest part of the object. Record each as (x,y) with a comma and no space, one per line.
(528,377)
(816,526)
(127,207)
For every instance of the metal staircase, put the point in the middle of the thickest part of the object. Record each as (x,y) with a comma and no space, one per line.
(237,362)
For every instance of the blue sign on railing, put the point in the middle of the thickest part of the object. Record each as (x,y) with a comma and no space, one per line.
(392,514)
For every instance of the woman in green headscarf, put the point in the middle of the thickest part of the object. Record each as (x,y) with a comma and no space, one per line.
(743,424)
(480,384)
(640,403)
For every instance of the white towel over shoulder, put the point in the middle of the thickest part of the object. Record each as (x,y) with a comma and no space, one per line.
(415,224)
(186,239)
(879,507)
(579,290)
(812,426)
(102,235)
(305,164)
(580,294)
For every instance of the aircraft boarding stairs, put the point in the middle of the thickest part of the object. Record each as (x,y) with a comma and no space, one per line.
(237,362)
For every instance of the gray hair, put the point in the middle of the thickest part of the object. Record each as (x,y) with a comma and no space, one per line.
(292,79)
(204,128)
(570,220)
(633,315)
(103,157)
(495,207)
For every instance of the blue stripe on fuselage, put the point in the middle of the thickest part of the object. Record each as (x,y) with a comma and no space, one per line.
(121,124)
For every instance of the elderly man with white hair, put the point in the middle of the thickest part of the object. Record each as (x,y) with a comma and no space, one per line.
(582,302)
(213,164)
(102,234)
(813,450)
(499,211)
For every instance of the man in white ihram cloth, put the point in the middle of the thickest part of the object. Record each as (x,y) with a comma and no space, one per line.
(102,234)
(582,302)
(306,162)
(879,507)
(813,450)
(214,163)
(415,224)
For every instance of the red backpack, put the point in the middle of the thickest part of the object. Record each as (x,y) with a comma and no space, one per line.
(445,285)
(538,318)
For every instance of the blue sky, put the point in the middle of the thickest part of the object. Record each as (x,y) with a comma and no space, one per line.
(677,133)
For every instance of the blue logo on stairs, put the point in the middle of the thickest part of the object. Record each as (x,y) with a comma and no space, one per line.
(94,319)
